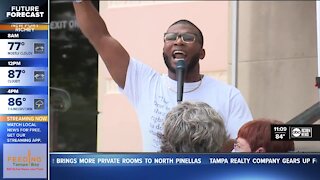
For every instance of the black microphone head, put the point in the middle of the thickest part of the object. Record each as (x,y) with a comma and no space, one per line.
(180,64)
(180,68)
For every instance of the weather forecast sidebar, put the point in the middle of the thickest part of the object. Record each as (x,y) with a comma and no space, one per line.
(24,91)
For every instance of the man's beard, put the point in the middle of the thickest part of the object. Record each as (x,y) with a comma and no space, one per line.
(193,63)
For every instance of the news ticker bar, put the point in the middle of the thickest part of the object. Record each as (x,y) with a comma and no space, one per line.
(294,132)
(100,159)
(184,166)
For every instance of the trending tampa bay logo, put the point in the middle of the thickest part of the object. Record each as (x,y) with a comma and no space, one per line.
(27,160)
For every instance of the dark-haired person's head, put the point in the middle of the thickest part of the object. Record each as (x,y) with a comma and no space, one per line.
(193,127)
(255,136)
(183,40)
(196,31)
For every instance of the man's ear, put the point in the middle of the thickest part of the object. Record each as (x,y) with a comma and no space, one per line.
(260,150)
(202,53)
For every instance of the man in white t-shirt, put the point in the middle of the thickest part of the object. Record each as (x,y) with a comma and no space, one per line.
(153,94)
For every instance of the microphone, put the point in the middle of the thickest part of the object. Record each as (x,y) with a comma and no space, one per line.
(180,69)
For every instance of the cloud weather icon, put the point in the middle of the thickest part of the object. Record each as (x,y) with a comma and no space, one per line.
(38,103)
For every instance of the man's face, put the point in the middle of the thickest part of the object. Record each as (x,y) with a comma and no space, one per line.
(182,47)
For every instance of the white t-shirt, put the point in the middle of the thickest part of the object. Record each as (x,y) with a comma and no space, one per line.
(153,95)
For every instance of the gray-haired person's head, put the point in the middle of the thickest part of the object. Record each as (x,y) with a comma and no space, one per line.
(193,127)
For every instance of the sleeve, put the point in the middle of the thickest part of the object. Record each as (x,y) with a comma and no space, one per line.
(136,79)
(239,114)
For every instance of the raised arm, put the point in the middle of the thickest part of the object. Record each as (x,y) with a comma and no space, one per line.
(94,28)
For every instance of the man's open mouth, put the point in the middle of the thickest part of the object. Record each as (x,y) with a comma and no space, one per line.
(178,54)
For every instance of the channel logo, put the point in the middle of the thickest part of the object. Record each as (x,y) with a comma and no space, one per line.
(301,132)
